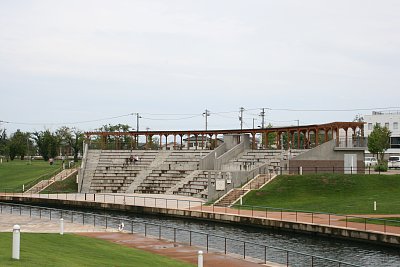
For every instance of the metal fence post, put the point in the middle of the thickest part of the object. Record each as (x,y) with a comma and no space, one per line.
(225,245)
(174,235)
(287,258)
(207,242)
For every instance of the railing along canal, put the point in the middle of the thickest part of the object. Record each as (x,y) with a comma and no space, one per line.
(282,214)
(210,242)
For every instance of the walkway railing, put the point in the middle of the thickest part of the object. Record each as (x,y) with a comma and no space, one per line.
(210,242)
(299,216)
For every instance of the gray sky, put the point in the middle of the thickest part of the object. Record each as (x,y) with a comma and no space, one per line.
(73,61)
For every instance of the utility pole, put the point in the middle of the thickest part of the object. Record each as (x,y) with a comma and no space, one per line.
(206,114)
(262,114)
(241,118)
(298,122)
(137,121)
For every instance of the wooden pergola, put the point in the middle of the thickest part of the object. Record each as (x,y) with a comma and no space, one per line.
(310,134)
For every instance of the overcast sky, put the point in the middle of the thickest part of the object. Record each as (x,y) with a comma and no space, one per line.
(74,61)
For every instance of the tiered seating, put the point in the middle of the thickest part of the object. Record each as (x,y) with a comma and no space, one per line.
(195,187)
(177,166)
(158,181)
(115,172)
(252,159)
(185,157)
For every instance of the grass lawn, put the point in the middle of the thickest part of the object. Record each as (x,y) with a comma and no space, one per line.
(14,174)
(67,186)
(336,193)
(393,221)
(72,250)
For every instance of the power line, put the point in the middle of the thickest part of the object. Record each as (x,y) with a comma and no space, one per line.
(65,123)
(332,110)
(194,115)
(175,119)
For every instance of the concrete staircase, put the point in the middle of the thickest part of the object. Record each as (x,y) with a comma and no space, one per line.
(182,182)
(157,162)
(40,186)
(236,194)
(231,197)
(92,161)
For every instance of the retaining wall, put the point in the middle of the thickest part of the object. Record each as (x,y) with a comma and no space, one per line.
(337,232)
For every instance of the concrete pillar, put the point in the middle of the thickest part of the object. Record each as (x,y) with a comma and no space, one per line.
(16,242)
(200,259)
(61,226)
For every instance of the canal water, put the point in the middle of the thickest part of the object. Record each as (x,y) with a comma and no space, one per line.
(262,244)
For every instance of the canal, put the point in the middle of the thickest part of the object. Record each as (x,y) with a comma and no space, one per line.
(258,243)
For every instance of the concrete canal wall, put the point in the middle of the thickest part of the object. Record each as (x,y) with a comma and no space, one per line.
(315,229)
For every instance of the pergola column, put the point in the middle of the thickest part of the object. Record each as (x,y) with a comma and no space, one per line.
(174,142)
(298,139)
(188,141)
(254,141)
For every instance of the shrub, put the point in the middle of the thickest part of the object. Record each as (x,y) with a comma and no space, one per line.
(381,167)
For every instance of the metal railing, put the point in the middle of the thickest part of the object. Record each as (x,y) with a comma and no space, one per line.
(210,242)
(328,169)
(386,226)
(357,142)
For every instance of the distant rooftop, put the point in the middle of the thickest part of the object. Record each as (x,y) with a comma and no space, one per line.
(388,112)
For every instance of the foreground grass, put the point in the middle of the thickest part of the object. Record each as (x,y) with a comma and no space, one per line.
(14,174)
(336,193)
(67,186)
(389,221)
(72,250)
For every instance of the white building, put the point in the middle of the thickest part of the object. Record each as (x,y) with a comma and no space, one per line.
(389,119)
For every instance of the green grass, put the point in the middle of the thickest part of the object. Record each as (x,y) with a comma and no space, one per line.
(335,193)
(66,186)
(393,221)
(72,250)
(14,174)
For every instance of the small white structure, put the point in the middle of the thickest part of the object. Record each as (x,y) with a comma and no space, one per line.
(16,241)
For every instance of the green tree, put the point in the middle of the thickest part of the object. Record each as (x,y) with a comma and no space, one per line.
(47,144)
(70,140)
(116,142)
(378,141)
(4,149)
(18,145)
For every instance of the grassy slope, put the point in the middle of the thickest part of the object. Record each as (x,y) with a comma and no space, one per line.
(15,173)
(67,186)
(71,250)
(346,194)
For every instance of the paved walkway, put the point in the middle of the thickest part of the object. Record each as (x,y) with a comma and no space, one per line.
(161,247)
(41,225)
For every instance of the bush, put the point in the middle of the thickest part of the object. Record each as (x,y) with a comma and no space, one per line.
(381,167)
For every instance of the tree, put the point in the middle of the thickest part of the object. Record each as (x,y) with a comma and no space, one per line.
(116,142)
(47,144)
(4,149)
(378,141)
(71,139)
(18,145)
